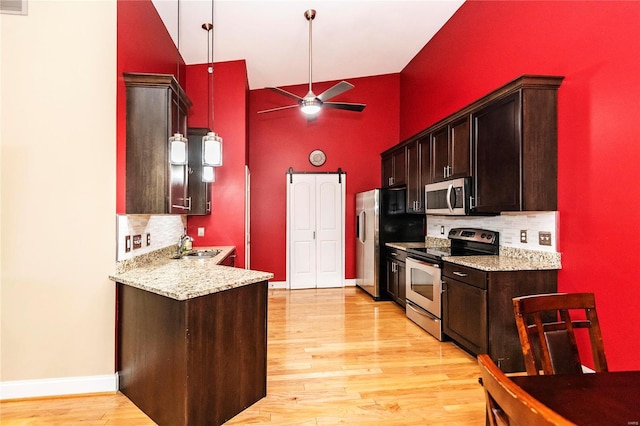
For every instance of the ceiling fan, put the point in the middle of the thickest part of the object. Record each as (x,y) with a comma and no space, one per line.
(311,104)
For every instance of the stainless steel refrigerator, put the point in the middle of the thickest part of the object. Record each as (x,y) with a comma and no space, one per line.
(381,218)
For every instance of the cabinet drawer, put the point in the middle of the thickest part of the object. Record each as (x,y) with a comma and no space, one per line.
(474,277)
(396,254)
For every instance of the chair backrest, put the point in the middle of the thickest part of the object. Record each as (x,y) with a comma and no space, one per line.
(546,332)
(509,404)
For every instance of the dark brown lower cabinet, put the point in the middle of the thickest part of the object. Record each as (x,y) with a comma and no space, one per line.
(230,260)
(477,309)
(193,362)
(396,275)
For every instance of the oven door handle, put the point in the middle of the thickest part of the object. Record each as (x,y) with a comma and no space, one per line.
(420,262)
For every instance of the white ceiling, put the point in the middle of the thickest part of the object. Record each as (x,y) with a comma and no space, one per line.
(351,38)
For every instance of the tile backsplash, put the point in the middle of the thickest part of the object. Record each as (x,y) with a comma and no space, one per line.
(164,229)
(509,225)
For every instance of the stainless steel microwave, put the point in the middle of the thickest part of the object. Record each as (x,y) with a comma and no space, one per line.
(451,197)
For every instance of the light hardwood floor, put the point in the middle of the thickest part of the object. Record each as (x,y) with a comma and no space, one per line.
(334,357)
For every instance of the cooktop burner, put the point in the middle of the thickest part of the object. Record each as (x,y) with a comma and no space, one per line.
(436,251)
(464,242)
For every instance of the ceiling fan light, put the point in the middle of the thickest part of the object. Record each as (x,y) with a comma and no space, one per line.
(311,107)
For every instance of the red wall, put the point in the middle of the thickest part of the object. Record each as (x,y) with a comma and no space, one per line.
(144,45)
(283,139)
(149,48)
(226,224)
(596,46)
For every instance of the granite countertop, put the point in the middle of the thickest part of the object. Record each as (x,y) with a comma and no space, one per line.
(502,263)
(183,279)
(404,246)
(509,259)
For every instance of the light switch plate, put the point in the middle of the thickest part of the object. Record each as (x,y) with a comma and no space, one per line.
(127,243)
(200,232)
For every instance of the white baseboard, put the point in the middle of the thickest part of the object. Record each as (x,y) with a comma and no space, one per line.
(60,386)
(284,285)
(278,284)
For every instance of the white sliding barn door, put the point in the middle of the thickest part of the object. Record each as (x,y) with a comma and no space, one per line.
(315,230)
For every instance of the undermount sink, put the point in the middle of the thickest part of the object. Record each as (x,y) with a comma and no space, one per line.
(199,254)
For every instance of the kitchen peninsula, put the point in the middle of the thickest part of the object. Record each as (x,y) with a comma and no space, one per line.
(191,338)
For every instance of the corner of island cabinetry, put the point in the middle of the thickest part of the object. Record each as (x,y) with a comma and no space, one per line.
(188,352)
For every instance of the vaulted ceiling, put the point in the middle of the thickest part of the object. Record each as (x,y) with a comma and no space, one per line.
(351,38)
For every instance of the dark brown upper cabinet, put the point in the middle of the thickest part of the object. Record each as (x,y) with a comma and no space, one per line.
(156,109)
(450,151)
(418,173)
(506,141)
(394,167)
(199,191)
(515,148)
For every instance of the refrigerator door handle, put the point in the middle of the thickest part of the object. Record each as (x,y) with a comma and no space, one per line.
(362,218)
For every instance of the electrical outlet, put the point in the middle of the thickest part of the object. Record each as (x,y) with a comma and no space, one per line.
(148,240)
(200,232)
(544,238)
(523,236)
(127,243)
(137,241)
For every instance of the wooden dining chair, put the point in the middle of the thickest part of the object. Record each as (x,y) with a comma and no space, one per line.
(546,331)
(508,404)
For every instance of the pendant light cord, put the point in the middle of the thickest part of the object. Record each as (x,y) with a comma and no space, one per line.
(178,46)
(212,83)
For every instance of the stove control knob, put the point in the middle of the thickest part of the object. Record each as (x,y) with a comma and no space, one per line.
(484,235)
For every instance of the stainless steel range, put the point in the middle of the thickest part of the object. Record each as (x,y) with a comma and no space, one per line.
(424,279)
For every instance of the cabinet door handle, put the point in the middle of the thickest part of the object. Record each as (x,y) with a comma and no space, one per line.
(459,274)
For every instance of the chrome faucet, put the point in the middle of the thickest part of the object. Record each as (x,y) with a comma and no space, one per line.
(183,239)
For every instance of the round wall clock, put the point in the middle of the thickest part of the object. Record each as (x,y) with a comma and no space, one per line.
(317,158)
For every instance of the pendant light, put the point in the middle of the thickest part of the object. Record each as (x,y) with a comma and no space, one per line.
(211,142)
(208,174)
(177,142)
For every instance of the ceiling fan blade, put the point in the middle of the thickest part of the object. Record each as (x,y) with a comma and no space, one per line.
(277,109)
(344,105)
(284,92)
(339,88)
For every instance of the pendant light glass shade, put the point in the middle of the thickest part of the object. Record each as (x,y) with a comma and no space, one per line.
(212,150)
(208,174)
(178,145)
